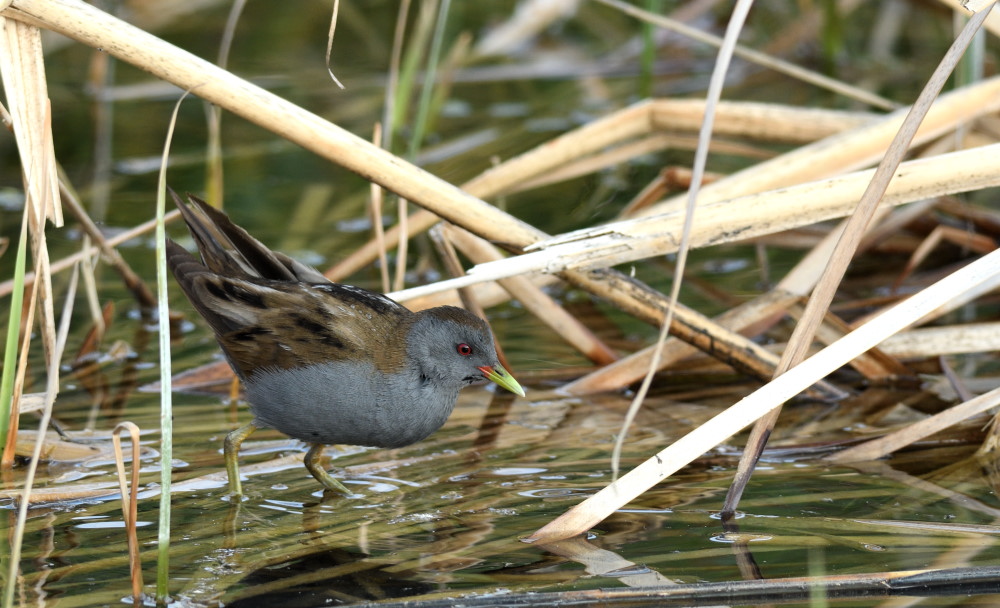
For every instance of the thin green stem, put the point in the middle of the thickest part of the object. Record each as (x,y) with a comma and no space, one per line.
(430,76)
(13,334)
(648,58)
(7,387)
(166,402)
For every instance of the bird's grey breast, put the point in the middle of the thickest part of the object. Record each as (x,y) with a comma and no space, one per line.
(347,402)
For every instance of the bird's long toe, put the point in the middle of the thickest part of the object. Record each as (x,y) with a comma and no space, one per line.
(313,462)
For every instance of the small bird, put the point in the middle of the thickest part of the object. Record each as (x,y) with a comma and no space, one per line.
(323,362)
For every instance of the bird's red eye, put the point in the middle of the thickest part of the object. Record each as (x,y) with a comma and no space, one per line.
(463,349)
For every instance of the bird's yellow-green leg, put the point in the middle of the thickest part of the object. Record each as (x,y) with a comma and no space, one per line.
(312,461)
(232,453)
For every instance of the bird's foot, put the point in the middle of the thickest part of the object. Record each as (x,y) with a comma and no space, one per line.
(232,455)
(312,462)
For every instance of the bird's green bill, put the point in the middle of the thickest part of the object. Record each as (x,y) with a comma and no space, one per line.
(503,378)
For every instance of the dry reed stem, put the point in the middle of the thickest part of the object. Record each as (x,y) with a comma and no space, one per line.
(883,446)
(23,69)
(490,294)
(130,503)
(739,218)
(798,205)
(948,340)
(688,325)
(757,120)
(631,368)
(66,493)
(55,449)
(635,122)
(847,244)
(850,150)
(765,122)
(28,402)
(623,153)
(781,389)
(69,261)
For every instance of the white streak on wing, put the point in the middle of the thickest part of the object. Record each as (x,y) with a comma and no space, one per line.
(362,292)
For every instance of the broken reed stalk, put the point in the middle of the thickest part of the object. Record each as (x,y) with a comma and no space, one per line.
(819,302)
(765,121)
(23,72)
(850,150)
(738,218)
(22,67)
(948,340)
(130,501)
(862,144)
(490,294)
(599,506)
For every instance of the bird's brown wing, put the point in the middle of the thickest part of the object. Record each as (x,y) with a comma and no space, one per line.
(271,324)
(229,250)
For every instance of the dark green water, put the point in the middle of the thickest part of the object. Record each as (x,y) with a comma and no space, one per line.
(445,517)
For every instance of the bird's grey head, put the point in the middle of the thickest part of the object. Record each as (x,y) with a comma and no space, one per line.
(449,345)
